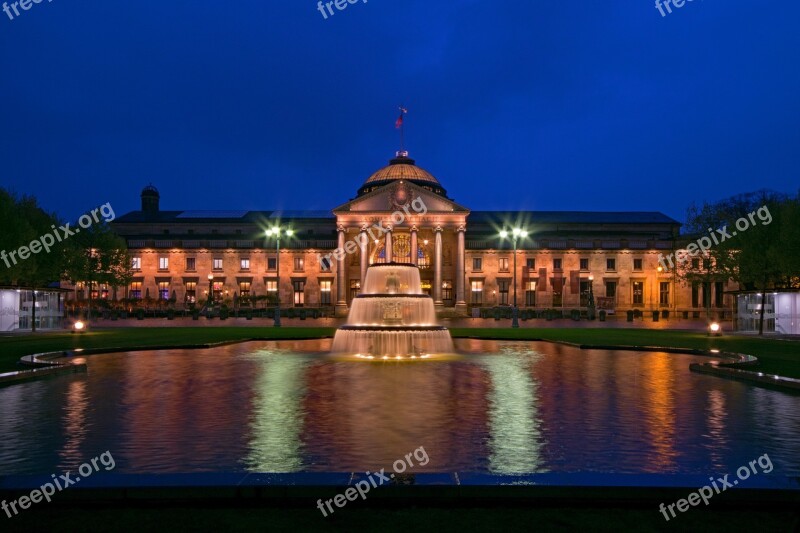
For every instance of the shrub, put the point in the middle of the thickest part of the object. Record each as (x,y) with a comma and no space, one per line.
(575,314)
(170,314)
(602,315)
(224,313)
(140,314)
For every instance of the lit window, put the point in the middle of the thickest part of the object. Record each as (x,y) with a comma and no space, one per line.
(477,264)
(163,290)
(503,264)
(136,263)
(477,292)
(325,286)
(191,292)
(244,289)
(135,291)
(217,263)
(163,263)
(299,264)
(244,264)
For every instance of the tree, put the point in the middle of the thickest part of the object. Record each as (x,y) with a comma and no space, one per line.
(25,224)
(758,235)
(98,256)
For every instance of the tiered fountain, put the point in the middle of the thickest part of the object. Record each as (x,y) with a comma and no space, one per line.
(392,318)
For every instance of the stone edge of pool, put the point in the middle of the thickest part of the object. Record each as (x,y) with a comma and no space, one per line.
(46,367)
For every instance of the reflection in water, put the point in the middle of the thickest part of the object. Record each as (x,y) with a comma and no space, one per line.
(276,420)
(75,424)
(659,409)
(513,424)
(502,408)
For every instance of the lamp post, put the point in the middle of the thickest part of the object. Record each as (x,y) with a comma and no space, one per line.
(276,232)
(515,234)
(210,290)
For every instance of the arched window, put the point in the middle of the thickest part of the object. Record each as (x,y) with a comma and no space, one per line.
(401,252)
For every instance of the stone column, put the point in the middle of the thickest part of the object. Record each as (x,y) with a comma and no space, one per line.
(363,243)
(461,303)
(341,274)
(437,269)
(387,243)
(414,248)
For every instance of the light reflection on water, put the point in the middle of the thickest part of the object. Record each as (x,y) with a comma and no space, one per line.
(504,407)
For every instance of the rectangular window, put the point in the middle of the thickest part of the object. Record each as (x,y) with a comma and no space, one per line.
(663,293)
(707,264)
(503,264)
(503,285)
(611,289)
(299,264)
(447,290)
(191,292)
(611,264)
(530,263)
(706,294)
(218,288)
(695,295)
(272,289)
(557,264)
(638,265)
(530,294)
(191,264)
(477,292)
(163,263)
(558,297)
(695,264)
(325,287)
(299,292)
(719,294)
(244,264)
(217,263)
(163,290)
(638,292)
(584,263)
(136,263)
(135,290)
(584,292)
(477,264)
(244,289)
(272,263)
(325,264)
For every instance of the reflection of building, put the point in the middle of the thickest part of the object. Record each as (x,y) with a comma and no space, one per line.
(462,260)
(16,309)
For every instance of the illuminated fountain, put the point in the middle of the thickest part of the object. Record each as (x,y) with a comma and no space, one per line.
(392,318)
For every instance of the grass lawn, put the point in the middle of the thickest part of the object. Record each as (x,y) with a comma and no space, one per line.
(775,356)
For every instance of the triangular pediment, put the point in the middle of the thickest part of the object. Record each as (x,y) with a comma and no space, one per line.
(394,196)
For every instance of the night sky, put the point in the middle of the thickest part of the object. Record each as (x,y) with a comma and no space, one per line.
(584,105)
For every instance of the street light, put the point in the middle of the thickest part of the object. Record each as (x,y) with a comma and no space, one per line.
(591,296)
(276,232)
(515,234)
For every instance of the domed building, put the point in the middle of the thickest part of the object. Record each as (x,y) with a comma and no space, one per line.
(401,213)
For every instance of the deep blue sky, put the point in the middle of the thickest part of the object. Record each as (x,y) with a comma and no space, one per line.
(584,105)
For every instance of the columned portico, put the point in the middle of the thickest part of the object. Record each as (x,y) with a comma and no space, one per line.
(414,245)
(461,303)
(341,273)
(437,268)
(397,210)
(388,244)
(363,243)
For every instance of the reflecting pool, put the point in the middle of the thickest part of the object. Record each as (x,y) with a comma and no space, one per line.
(503,407)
